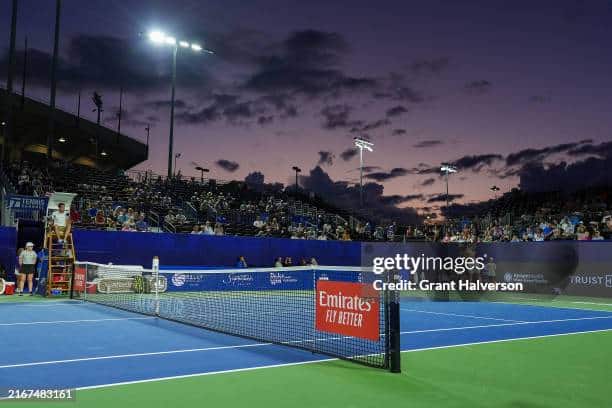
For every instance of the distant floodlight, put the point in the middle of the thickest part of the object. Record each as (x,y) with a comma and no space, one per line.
(157,37)
(494,188)
(62,139)
(196,47)
(448,168)
(170,40)
(103,153)
(364,144)
(3,124)
(184,44)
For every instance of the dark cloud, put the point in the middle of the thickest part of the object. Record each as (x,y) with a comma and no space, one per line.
(602,149)
(396,111)
(431,66)
(427,143)
(338,116)
(255,178)
(265,120)
(398,132)
(372,125)
(368,169)
(400,93)
(438,198)
(344,195)
(478,87)
(384,176)
(165,103)
(326,157)
(202,116)
(475,162)
(227,165)
(348,154)
(306,63)
(527,155)
(591,172)
(428,182)
(399,199)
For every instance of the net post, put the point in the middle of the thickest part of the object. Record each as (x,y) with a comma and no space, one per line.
(393,306)
(155,268)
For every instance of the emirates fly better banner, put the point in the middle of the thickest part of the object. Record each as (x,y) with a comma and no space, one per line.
(347,308)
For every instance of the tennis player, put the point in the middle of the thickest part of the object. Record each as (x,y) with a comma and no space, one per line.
(27,264)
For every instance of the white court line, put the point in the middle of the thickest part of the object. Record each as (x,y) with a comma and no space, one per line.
(38,363)
(593,303)
(153,353)
(506,324)
(76,321)
(460,315)
(175,377)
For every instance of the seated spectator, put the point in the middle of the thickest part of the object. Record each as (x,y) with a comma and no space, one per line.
(122,217)
(259,223)
(219,229)
(141,224)
(597,236)
(196,229)
(128,226)
(278,263)
(100,218)
(207,229)
(180,218)
(288,261)
(313,261)
(75,215)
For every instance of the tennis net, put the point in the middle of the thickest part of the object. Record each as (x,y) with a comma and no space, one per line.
(328,310)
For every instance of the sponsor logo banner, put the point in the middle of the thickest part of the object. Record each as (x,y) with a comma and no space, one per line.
(349,309)
(79,278)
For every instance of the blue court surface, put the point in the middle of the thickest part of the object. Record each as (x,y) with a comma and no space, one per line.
(74,344)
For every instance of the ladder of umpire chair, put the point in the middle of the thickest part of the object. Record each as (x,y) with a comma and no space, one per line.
(60,265)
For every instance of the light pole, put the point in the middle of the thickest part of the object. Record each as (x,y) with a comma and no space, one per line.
(494,189)
(202,170)
(2,135)
(362,144)
(176,156)
(161,38)
(447,169)
(297,171)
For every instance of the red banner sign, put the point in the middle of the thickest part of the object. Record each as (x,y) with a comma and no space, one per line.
(347,308)
(78,281)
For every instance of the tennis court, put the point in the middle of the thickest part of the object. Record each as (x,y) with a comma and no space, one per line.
(79,345)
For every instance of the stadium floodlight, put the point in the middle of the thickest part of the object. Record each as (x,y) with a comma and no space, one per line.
(494,189)
(62,139)
(202,170)
(297,171)
(159,37)
(447,169)
(369,146)
(104,153)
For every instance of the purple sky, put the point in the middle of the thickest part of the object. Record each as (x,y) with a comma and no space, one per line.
(485,79)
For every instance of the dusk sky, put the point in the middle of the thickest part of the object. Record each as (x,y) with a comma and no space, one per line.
(476,83)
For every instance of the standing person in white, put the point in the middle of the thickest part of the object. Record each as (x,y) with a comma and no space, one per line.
(61,222)
(27,264)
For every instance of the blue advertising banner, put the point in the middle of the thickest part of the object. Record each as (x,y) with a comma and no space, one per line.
(20,202)
(187,281)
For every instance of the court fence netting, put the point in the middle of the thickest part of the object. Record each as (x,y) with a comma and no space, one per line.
(330,310)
